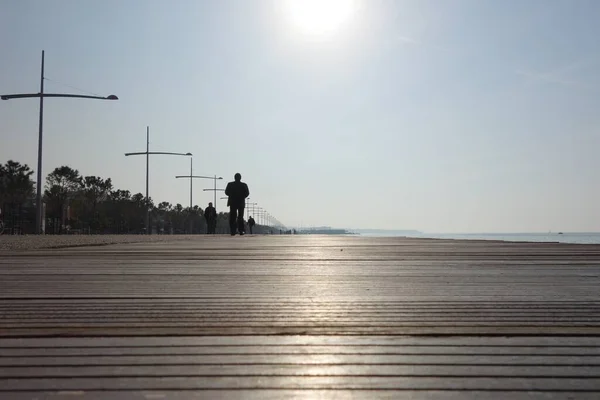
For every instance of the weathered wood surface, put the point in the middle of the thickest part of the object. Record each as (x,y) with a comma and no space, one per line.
(308,317)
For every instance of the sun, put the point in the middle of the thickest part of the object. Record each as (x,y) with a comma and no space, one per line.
(319,17)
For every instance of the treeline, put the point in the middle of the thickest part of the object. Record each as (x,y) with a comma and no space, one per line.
(90,204)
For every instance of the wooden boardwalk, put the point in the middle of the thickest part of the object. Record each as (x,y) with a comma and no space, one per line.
(302,317)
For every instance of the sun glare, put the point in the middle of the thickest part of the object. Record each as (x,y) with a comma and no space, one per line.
(320,17)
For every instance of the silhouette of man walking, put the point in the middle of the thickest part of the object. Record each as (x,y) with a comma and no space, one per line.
(237,191)
(251,223)
(210,214)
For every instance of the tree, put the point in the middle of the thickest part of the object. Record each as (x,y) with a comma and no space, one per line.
(177,218)
(16,185)
(164,207)
(196,217)
(119,210)
(139,208)
(120,195)
(95,191)
(161,215)
(16,189)
(62,186)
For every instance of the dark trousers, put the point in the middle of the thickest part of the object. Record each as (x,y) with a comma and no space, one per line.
(250,227)
(236,218)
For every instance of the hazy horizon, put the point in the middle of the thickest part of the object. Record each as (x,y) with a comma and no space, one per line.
(459,116)
(418,231)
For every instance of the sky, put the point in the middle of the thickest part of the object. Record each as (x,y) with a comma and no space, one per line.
(440,116)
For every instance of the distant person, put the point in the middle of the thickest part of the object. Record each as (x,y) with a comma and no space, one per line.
(251,224)
(237,191)
(210,214)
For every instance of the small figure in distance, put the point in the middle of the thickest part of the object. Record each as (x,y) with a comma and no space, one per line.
(237,191)
(251,223)
(210,214)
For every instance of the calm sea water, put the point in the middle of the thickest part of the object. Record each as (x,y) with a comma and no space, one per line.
(566,237)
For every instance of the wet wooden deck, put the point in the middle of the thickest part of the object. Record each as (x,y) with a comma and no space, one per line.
(301,316)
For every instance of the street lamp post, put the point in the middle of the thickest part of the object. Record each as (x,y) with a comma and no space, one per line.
(41,95)
(261,212)
(248,204)
(215,178)
(191,177)
(262,218)
(191,192)
(255,212)
(265,218)
(147,153)
(215,190)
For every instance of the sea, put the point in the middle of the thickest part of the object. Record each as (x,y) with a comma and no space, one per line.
(565,237)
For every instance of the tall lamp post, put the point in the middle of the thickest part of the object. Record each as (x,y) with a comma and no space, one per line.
(265,218)
(261,212)
(215,190)
(41,95)
(147,153)
(191,177)
(215,178)
(191,193)
(262,216)
(248,204)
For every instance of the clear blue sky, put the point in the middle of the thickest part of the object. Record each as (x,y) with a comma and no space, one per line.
(442,116)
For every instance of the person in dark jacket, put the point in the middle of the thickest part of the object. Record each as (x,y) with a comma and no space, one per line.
(210,214)
(251,224)
(237,191)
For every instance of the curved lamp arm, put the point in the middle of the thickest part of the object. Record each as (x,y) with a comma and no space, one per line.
(80,96)
(157,152)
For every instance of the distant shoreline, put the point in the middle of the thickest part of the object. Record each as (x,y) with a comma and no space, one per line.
(565,237)
(517,237)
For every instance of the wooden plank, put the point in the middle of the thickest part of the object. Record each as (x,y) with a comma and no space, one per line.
(305,382)
(257,394)
(305,359)
(304,340)
(303,350)
(457,371)
(141,330)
